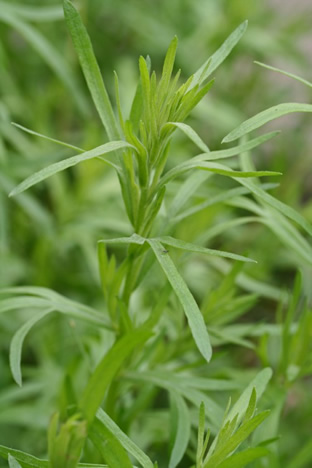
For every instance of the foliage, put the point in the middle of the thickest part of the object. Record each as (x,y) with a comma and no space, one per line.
(148,352)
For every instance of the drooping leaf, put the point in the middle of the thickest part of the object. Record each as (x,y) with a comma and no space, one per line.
(17,344)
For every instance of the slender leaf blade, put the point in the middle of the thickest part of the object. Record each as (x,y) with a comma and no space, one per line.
(69,162)
(17,344)
(264,117)
(192,312)
(91,70)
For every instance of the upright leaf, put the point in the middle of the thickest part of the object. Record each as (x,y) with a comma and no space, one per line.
(91,70)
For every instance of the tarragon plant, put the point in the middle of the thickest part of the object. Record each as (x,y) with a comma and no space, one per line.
(138,150)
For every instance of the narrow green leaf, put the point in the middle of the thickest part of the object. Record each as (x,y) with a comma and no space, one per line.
(126,442)
(303,457)
(291,75)
(192,312)
(241,459)
(258,385)
(179,244)
(167,69)
(278,205)
(53,140)
(27,460)
(34,13)
(13,463)
(220,55)
(106,370)
(236,439)
(43,298)
(91,69)
(189,132)
(17,344)
(109,446)
(69,162)
(214,155)
(48,53)
(183,429)
(264,117)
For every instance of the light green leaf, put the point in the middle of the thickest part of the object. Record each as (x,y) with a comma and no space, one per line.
(236,439)
(69,162)
(106,369)
(48,53)
(258,384)
(182,429)
(17,344)
(220,55)
(215,155)
(126,442)
(27,461)
(43,298)
(53,140)
(291,75)
(280,206)
(167,69)
(264,117)
(192,312)
(13,463)
(91,70)
(34,13)
(109,446)
(241,459)
(179,244)
(189,132)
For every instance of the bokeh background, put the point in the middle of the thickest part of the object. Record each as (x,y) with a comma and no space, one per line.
(48,235)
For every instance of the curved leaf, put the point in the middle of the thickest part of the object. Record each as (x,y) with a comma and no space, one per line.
(17,344)
(69,162)
(264,117)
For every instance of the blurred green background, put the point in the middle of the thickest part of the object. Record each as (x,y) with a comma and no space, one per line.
(48,235)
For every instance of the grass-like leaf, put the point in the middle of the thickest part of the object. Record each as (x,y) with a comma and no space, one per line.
(17,344)
(264,117)
(106,370)
(283,72)
(220,55)
(126,442)
(241,459)
(182,423)
(277,204)
(53,140)
(188,247)
(190,133)
(192,312)
(69,162)
(91,70)
(109,446)
(48,53)
(13,463)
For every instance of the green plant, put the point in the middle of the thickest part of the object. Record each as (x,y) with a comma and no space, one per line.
(140,360)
